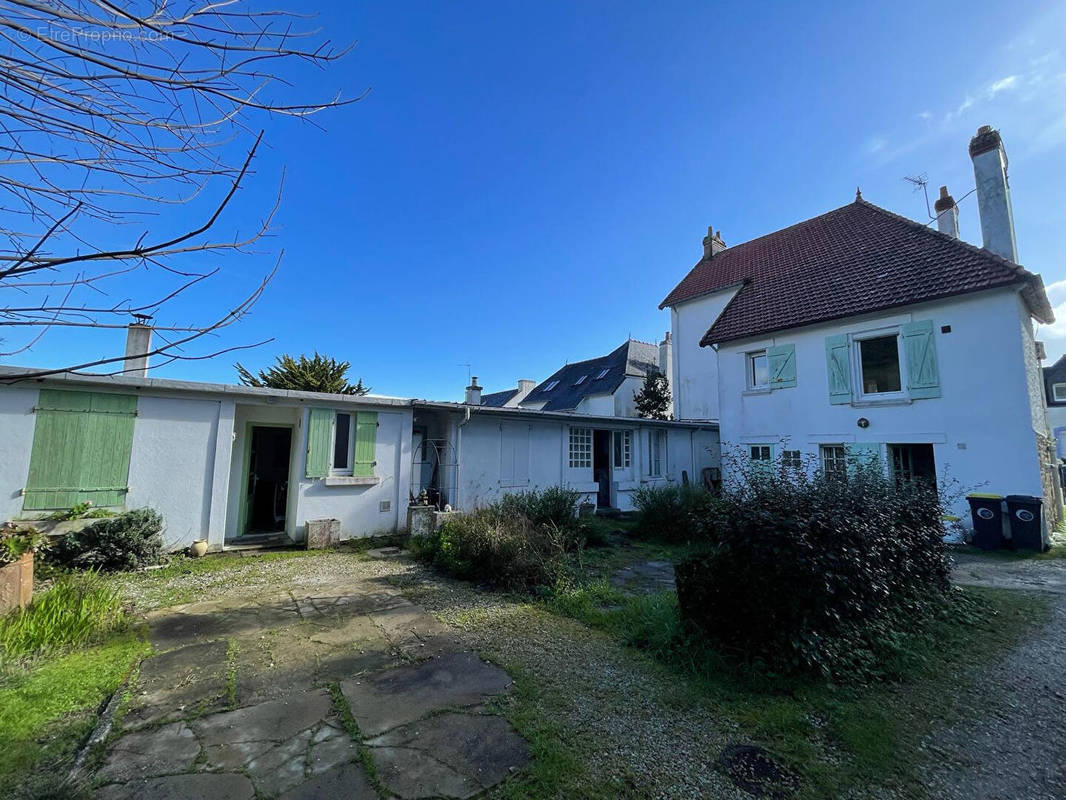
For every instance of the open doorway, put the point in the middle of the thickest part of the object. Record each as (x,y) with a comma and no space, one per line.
(267,486)
(601,467)
(913,463)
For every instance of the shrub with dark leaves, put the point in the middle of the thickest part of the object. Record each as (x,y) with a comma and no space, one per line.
(818,573)
(124,542)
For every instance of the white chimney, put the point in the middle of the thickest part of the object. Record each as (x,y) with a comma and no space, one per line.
(947,214)
(525,386)
(138,344)
(993,193)
(712,242)
(473,393)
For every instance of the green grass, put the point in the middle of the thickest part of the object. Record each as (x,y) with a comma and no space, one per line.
(837,737)
(48,707)
(77,609)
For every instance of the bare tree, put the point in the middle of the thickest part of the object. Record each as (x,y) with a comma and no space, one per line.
(115,111)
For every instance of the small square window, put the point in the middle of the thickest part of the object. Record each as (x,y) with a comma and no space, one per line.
(879,363)
(1058,391)
(791,459)
(834,460)
(758,370)
(760,452)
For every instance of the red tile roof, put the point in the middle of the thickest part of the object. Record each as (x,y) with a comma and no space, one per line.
(854,260)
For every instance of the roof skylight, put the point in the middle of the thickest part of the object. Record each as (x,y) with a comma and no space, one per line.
(580,380)
(602,373)
(551,386)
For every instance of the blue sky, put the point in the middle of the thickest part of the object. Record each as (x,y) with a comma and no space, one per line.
(525,182)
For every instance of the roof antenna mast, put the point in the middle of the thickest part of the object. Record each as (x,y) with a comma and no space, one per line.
(921,182)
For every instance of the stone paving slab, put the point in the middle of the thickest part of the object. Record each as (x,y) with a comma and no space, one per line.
(463,752)
(645,578)
(235,703)
(405,694)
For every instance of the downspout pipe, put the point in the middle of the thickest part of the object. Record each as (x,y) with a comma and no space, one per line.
(459,455)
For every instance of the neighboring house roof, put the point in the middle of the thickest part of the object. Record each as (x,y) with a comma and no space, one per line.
(854,260)
(632,358)
(498,399)
(1056,373)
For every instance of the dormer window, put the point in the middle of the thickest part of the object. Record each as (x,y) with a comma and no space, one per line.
(1058,391)
(602,373)
(551,386)
(580,380)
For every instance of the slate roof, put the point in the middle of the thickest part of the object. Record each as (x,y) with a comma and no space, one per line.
(498,399)
(632,358)
(854,260)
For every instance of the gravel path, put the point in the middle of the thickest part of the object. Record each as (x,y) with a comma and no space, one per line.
(1017,749)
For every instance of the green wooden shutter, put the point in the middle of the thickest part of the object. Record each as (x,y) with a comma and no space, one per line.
(782,361)
(319,442)
(366,435)
(838,369)
(923,375)
(81,450)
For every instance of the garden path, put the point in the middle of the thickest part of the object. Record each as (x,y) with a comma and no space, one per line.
(344,690)
(1016,748)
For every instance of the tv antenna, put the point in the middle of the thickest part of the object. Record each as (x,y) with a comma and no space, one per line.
(921,182)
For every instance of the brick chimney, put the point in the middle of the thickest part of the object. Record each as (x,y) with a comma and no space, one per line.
(947,214)
(993,193)
(138,343)
(712,242)
(473,393)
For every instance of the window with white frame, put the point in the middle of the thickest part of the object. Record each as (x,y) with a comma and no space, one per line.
(761,453)
(623,449)
(602,373)
(758,370)
(1058,392)
(581,448)
(343,433)
(791,459)
(879,364)
(551,386)
(580,380)
(656,452)
(834,460)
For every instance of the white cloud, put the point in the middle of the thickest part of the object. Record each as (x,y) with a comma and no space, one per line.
(876,144)
(1002,85)
(1056,331)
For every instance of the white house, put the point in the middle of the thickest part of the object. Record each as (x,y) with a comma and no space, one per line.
(467,455)
(862,331)
(242,466)
(602,386)
(1055,397)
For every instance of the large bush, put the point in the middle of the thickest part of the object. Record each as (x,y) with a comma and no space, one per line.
(815,572)
(551,506)
(675,513)
(507,551)
(124,542)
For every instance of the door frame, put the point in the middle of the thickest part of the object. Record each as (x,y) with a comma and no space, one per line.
(246,466)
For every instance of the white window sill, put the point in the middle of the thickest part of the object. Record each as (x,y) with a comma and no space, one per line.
(872,401)
(349,480)
(758,390)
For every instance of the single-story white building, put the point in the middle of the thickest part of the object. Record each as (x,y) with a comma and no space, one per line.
(242,466)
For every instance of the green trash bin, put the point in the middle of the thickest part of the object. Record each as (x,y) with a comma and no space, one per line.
(1026,522)
(987,513)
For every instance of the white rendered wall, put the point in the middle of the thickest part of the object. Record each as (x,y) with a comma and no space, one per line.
(16,434)
(695,387)
(172,465)
(357,507)
(981,428)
